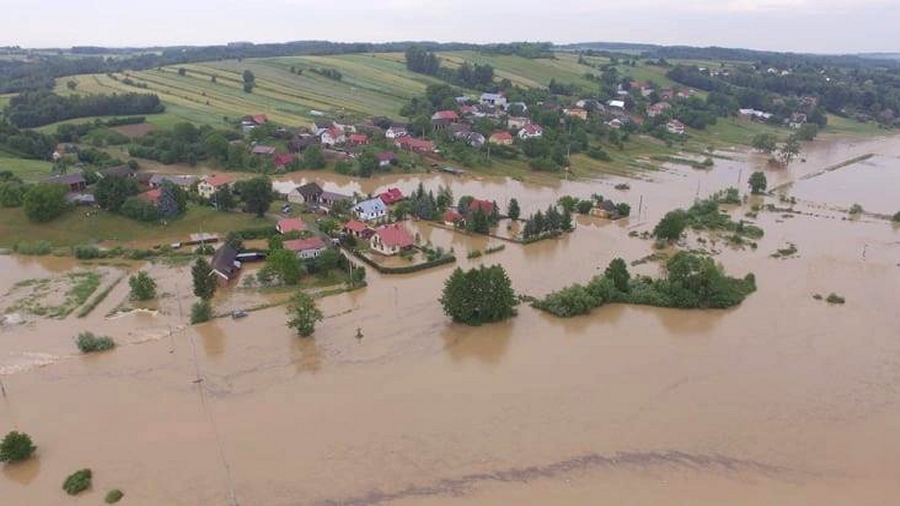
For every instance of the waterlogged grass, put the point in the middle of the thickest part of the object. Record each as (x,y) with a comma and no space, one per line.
(55,297)
(87,308)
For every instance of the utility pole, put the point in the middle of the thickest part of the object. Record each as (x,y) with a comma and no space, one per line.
(740,173)
(2,388)
(640,207)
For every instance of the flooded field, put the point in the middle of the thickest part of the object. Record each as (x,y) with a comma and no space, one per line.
(784,399)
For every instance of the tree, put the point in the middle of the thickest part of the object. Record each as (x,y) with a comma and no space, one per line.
(112,191)
(303,314)
(789,150)
(617,272)
(139,209)
(257,195)
(223,199)
(44,202)
(172,200)
(584,206)
(420,126)
(479,222)
(249,81)
(142,286)
(758,182)
(201,311)
(313,158)
(284,264)
(16,447)
(368,163)
(12,193)
(512,210)
(567,202)
(765,143)
(78,482)
(896,217)
(204,279)
(671,226)
(481,295)
(623,209)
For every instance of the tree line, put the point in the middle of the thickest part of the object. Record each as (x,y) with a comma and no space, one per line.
(421,61)
(34,109)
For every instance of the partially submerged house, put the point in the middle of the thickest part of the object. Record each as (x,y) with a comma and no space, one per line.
(306,194)
(225,263)
(306,248)
(391,239)
(391,196)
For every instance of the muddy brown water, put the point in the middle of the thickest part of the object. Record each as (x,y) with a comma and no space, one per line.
(783,400)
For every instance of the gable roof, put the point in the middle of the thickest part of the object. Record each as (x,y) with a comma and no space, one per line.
(291,225)
(356,226)
(485,205)
(66,179)
(223,260)
(261,149)
(395,235)
(310,189)
(445,115)
(216,180)
(284,159)
(259,119)
(304,244)
(532,129)
(359,138)
(371,206)
(151,196)
(501,136)
(391,196)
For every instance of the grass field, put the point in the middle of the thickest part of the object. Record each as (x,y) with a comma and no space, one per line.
(4,100)
(28,170)
(75,227)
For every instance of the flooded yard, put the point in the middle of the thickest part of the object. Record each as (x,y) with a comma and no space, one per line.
(785,399)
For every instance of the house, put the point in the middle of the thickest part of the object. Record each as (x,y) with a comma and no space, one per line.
(501,139)
(493,100)
(302,141)
(615,123)
(290,225)
(443,119)
(616,104)
(332,137)
(396,132)
(283,188)
(306,194)
(452,218)
(485,205)
(184,182)
(675,127)
(386,158)
(75,182)
(225,263)
(358,229)
(306,248)
(657,109)
(343,126)
(63,150)
(81,199)
(473,139)
(516,122)
(118,171)
(283,160)
(576,112)
(413,144)
(151,196)
(605,209)
(329,199)
(391,239)
(391,196)
(210,184)
(531,131)
(370,210)
(262,150)
(258,119)
(321,126)
(667,94)
(754,114)
(797,120)
(358,139)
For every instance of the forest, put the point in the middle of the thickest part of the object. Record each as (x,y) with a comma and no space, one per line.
(34,109)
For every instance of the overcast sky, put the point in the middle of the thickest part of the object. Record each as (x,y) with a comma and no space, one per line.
(787,25)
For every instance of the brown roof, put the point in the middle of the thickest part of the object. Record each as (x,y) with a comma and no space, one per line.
(304,244)
(395,235)
(291,225)
(216,180)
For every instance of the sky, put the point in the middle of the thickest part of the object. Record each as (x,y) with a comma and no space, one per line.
(818,26)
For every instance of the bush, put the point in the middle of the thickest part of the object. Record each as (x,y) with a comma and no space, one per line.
(201,311)
(856,209)
(834,298)
(16,447)
(78,482)
(142,286)
(896,217)
(85,252)
(89,343)
(571,301)
(113,496)
(33,248)
(45,201)
(139,209)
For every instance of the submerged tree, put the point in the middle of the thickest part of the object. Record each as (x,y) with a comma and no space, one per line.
(481,295)
(16,447)
(142,286)
(204,279)
(303,314)
(758,182)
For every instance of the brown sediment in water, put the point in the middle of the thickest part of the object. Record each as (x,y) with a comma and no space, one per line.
(783,399)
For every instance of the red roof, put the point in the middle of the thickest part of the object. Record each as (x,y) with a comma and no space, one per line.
(387,156)
(448,115)
(291,225)
(334,132)
(304,244)
(415,144)
(260,119)
(391,196)
(501,136)
(216,180)
(282,160)
(452,216)
(395,235)
(151,196)
(485,205)
(533,129)
(356,227)
(359,139)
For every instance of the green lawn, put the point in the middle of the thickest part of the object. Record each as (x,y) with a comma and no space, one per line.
(76,227)
(4,99)
(28,170)
(847,126)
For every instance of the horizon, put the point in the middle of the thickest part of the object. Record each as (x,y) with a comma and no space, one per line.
(797,26)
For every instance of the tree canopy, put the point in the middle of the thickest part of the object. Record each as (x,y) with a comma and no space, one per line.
(481,295)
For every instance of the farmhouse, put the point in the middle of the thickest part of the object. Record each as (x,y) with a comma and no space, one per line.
(333,136)
(493,100)
(531,131)
(225,263)
(302,141)
(358,229)
(370,210)
(576,112)
(501,139)
(358,139)
(283,161)
(288,225)
(329,199)
(473,139)
(306,248)
(657,109)
(413,144)
(210,184)
(181,181)
(452,218)
(675,127)
(395,132)
(442,119)
(75,182)
(306,194)
(391,239)
(344,126)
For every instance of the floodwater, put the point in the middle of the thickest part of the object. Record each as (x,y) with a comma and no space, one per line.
(783,400)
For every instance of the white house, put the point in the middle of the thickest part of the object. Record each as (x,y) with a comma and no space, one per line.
(306,248)
(493,99)
(395,132)
(516,122)
(370,210)
(210,184)
(616,104)
(333,136)
(531,131)
(675,127)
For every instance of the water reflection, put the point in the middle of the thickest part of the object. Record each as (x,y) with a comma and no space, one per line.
(486,343)
(25,472)
(306,354)
(213,338)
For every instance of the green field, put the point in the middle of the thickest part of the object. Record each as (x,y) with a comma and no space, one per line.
(77,227)
(28,170)
(4,100)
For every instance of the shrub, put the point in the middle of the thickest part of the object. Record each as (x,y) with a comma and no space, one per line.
(78,482)
(142,286)
(33,248)
(89,343)
(896,217)
(856,209)
(570,301)
(85,252)
(16,447)
(834,298)
(201,312)
(114,496)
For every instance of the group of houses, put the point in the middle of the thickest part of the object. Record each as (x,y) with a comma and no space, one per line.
(149,183)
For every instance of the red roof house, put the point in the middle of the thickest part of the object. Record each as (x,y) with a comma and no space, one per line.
(501,138)
(151,196)
(445,115)
(391,239)
(358,139)
(413,144)
(452,218)
(485,205)
(306,248)
(391,196)
(290,225)
(260,119)
(283,160)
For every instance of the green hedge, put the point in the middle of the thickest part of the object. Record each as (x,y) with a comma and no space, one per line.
(403,270)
